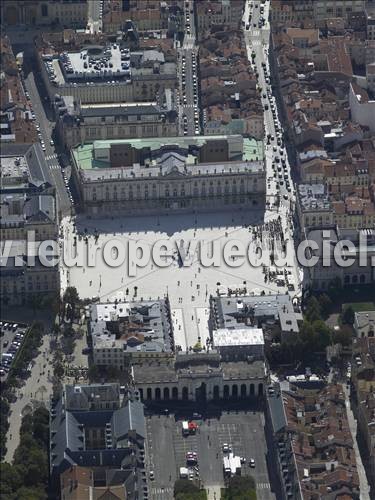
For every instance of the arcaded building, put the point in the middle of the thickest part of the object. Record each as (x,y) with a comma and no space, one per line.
(160,175)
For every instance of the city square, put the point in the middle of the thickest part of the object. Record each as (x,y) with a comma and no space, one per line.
(188,287)
(187,267)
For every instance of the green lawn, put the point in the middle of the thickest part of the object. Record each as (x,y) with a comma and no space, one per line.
(360,306)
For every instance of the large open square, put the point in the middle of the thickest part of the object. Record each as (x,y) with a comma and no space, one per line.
(188,286)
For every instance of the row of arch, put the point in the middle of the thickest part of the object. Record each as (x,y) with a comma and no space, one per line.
(349,279)
(354,279)
(218,392)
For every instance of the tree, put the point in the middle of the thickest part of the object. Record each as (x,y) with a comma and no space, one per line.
(323,335)
(240,488)
(35,301)
(186,490)
(93,373)
(56,307)
(307,332)
(58,370)
(335,288)
(313,311)
(325,304)
(343,336)
(10,478)
(71,295)
(71,299)
(348,316)
(27,477)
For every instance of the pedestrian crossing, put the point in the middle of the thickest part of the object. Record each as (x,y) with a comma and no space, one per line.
(51,157)
(162,493)
(54,167)
(263,486)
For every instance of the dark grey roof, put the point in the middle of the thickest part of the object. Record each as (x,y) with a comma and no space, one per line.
(129,418)
(38,168)
(40,208)
(172,161)
(9,149)
(81,397)
(66,434)
(68,426)
(122,111)
(276,410)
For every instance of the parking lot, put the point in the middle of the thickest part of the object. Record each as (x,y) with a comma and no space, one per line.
(242,430)
(12,335)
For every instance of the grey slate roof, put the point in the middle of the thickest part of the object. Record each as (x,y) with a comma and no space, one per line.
(72,415)
(80,398)
(276,410)
(88,112)
(40,208)
(129,417)
(38,168)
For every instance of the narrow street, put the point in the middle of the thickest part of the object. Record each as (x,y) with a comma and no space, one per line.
(188,108)
(363,483)
(94,16)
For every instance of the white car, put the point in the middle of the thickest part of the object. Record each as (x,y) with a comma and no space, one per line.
(51,142)
(252,463)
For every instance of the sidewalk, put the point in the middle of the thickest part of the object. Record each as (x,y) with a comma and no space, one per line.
(213,492)
(363,484)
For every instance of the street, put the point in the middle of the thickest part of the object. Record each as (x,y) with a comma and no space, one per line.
(189,94)
(280,187)
(46,128)
(277,164)
(95,10)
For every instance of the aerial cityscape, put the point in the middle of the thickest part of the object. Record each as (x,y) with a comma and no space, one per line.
(187,267)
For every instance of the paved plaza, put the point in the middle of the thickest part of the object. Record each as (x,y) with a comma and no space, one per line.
(188,287)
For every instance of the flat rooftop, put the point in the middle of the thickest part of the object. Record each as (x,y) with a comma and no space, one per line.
(313,197)
(131,326)
(93,64)
(224,337)
(230,312)
(14,167)
(27,167)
